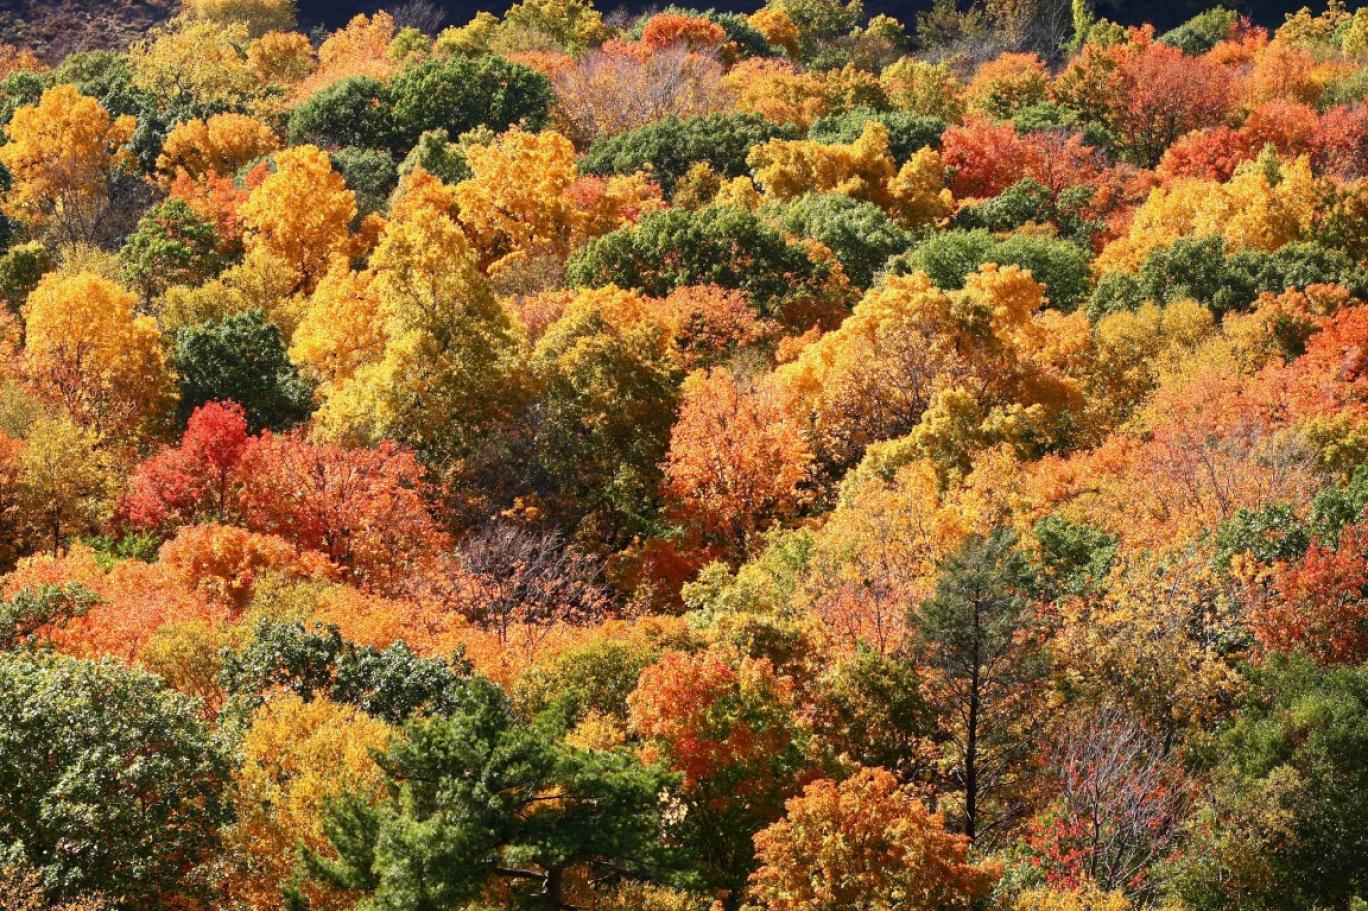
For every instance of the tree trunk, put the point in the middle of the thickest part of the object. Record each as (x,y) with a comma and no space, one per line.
(971,737)
(555,889)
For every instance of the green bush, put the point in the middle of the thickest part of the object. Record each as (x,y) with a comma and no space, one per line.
(350,112)
(720,245)
(241,358)
(371,174)
(861,234)
(111,782)
(460,93)
(907,133)
(951,256)
(668,147)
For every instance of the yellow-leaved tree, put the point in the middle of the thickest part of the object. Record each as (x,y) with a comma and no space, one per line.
(281,58)
(863,169)
(301,214)
(874,377)
(259,16)
(607,382)
(296,755)
(1267,203)
(221,144)
(62,154)
(196,63)
(929,89)
(87,350)
(514,203)
(416,348)
(64,483)
(525,201)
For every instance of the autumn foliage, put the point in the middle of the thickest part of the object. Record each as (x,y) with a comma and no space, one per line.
(786,459)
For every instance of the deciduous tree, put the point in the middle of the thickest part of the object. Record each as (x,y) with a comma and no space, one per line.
(416,349)
(623,87)
(1316,606)
(87,349)
(63,154)
(736,465)
(730,731)
(122,803)
(220,144)
(172,245)
(365,509)
(1121,799)
(259,16)
(864,843)
(607,387)
(194,480)
(63,483)
(297,756)
(300,214)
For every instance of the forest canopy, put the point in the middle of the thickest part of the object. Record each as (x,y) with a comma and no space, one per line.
(780,460)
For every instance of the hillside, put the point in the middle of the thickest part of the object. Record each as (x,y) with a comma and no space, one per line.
(705,461)
(57,27)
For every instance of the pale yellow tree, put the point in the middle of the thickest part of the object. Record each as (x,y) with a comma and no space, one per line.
(918,191)
(259,16)
(1268,202)
(341,329)
(570,25)
(860,169)
(930,89)
(65,483)
(1084,896)
(874,377)
(196,61)
(260,282)
(281,58)
(879,550)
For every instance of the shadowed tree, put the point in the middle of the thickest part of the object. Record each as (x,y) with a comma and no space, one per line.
(979,638)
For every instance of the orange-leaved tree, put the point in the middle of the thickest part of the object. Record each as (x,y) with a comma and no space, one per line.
(736,464)
(731,729)
(300,214)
